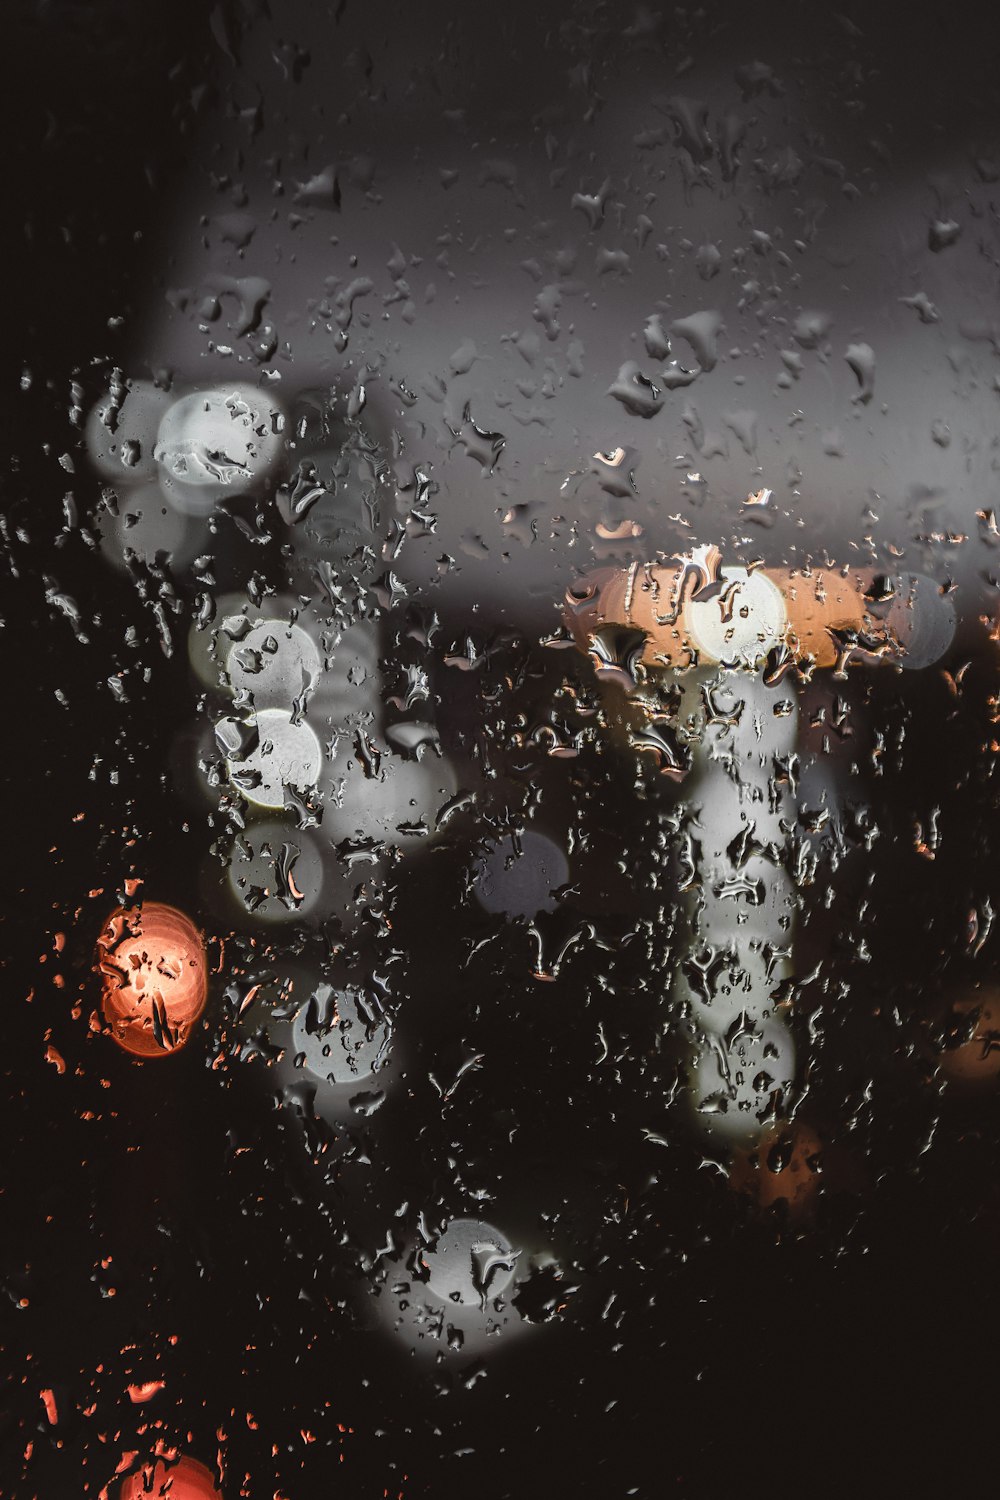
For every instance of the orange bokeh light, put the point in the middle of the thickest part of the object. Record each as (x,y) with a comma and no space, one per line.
(185,1480)
(655,598)
(976,1024)
(154,978)
(782,1167)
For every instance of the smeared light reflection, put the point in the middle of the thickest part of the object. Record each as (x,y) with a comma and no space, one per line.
(154,978)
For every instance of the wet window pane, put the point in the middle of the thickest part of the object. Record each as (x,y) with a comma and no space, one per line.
(501,620)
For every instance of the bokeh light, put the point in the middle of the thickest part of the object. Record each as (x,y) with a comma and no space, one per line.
(216,443)
(283,753)
(154,978)
(185,1479)
(470,1265)
(517,876)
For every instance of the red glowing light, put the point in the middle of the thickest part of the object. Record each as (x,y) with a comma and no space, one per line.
(152,964)
(185,1480)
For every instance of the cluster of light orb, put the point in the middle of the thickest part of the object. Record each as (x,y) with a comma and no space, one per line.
(170,463)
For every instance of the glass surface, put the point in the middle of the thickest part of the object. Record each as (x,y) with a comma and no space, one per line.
(501,635)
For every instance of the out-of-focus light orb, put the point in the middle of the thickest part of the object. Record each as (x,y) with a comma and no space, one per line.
(121,435)
(518,878)
(276,875)
(210,642)
(737,1077)
(286,754)
(186,1479)
(399,804)
(148,527)
(329,1052)
(341,1037)
(351,681)
(740,622)
(922,619)
(976,1057)
(273,660)
(471,1264)
(154,978)
(782,1167)
(453,1298)
(215,443)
